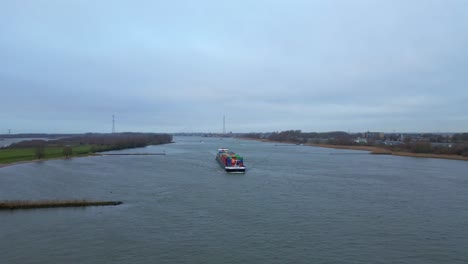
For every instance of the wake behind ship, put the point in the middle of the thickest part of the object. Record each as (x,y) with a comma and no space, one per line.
(230,161)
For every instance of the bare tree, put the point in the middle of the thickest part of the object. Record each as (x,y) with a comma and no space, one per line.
(67,151)
(39,152)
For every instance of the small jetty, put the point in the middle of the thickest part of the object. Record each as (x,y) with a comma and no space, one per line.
(13,205)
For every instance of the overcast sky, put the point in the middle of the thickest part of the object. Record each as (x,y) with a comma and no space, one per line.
(180,66)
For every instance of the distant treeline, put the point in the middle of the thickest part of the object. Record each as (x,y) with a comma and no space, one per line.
(297,136)
(426,147)
(36,135)
(463,137)
(456,144)
(101,142)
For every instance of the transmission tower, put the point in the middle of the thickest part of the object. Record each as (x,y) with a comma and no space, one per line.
(113,124)
(224,125)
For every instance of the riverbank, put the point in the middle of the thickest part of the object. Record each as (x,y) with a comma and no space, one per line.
(14,205)
(2,165)
(375,150)
(383,151)
(78,146)
(80,156)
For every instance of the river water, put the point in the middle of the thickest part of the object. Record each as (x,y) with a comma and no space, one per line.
(295,204)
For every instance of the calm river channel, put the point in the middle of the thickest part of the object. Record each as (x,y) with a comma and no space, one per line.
(295,204)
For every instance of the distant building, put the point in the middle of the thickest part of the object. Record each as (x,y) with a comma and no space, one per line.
(374,135)
(360,140)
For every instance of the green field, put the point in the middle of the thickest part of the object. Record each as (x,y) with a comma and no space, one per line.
(80,145)
(25,154)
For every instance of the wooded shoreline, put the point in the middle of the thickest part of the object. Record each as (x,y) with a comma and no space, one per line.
(79,146)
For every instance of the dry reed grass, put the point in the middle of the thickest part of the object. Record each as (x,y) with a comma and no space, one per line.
(26,204)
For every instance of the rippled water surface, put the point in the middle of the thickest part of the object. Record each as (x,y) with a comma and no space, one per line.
(296,204)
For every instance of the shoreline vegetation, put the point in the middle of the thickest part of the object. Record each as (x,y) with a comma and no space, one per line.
(455,149)
(374,150)
(77,146)
(92,144)
(24,204)
(383,151)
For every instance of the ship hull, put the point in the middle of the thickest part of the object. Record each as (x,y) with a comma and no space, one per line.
(230,169)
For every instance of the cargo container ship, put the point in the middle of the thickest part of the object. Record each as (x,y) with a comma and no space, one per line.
(230,161)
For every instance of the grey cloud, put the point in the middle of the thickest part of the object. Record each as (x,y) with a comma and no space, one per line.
(266,65)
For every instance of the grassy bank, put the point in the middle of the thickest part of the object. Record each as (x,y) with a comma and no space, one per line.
(12,205)
(377,150)
(373,150)
(14,155)
(76,146)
